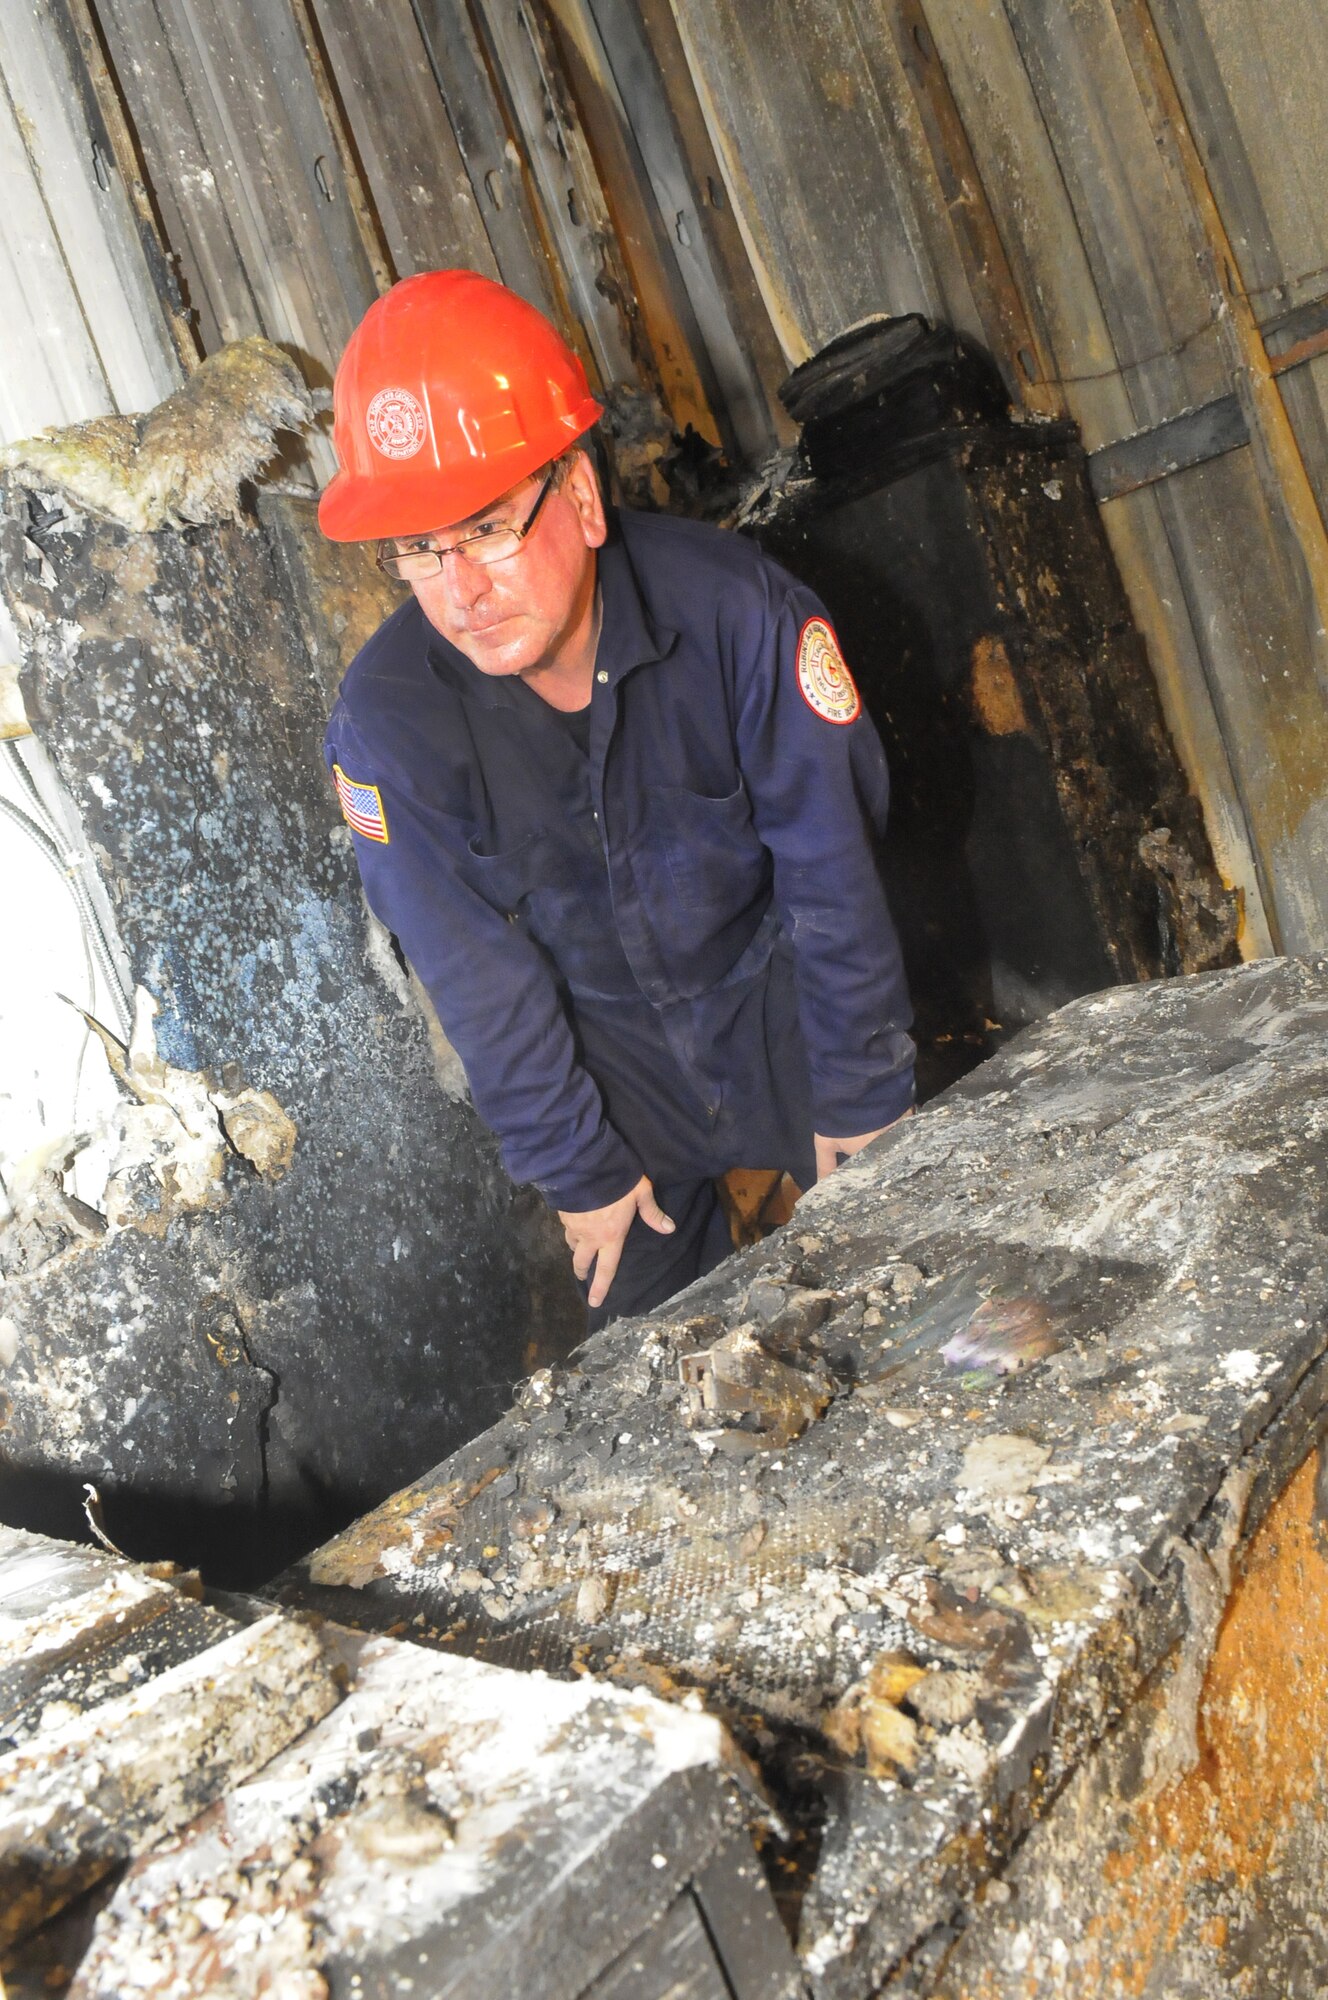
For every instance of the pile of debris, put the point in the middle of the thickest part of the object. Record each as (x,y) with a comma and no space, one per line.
(307,1812)
(921,1492)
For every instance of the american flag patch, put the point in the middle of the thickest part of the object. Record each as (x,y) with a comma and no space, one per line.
(362,806)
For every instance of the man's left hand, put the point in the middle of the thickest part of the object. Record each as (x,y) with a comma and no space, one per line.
(829,1152)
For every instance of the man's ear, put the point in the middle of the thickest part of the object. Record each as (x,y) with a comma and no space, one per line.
(581,487)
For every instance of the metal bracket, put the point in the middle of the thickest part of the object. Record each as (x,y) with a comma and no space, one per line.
(1189,439)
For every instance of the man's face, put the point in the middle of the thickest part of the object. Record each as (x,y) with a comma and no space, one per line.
(516,616)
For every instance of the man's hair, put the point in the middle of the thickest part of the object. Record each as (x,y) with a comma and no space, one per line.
(589,446)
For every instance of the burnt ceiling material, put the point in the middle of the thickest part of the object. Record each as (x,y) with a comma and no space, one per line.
(306,1812)
(919,1492)
(313,1273)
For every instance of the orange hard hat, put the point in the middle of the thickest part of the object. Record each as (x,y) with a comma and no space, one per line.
(450,391)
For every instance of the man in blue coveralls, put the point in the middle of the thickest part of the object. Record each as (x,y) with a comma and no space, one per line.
(612,789)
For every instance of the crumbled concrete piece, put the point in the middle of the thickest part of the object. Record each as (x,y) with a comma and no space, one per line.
(1003,1465)
(738,1381)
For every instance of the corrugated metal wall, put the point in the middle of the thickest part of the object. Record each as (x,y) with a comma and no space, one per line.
(1121,199)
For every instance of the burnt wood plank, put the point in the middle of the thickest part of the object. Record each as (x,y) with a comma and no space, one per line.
(673,1960)
(451,1828)
(744,1925)
(1186,440)
(96,1790)
(415,173)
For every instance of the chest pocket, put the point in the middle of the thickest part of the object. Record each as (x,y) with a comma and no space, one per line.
(559,896)
(708,850)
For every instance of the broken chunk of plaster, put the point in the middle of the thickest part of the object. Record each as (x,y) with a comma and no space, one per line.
(257,1126)
(180,1131)
(8,1342)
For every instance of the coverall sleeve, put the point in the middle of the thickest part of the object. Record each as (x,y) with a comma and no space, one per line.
(816,777)
(495,993)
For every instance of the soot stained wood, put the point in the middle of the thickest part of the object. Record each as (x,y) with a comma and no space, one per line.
(245,168)
(412,165)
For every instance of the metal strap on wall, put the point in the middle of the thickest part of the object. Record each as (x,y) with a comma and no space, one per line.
(1186,440)
(1194,436)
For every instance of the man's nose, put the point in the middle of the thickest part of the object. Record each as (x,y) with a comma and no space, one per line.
(465,582)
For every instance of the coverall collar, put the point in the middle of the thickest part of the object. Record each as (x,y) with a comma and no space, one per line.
(628,638)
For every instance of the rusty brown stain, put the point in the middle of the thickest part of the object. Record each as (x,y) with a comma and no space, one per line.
(996,698)
(1224,1826)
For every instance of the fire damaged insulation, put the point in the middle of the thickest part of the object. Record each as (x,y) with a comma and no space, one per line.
(183,463)
(1043,841)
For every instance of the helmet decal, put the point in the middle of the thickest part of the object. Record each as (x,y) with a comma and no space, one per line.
(396,423)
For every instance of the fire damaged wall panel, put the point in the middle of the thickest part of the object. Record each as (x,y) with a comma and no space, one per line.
(309,1271)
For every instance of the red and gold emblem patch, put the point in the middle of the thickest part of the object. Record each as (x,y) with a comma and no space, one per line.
(826,683)
(396,423)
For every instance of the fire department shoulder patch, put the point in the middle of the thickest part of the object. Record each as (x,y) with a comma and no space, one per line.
(361,806)
(396,423)
(826,683)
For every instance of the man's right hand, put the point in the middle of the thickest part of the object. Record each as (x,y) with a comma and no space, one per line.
(596,1235)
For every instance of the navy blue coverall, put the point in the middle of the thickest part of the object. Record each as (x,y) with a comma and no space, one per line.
(666,952)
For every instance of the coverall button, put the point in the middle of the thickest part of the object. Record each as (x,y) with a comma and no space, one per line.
(601,675)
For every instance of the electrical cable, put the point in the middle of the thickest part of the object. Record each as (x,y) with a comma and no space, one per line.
(43,827)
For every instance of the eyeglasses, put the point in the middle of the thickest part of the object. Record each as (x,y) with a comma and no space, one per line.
(491,542)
